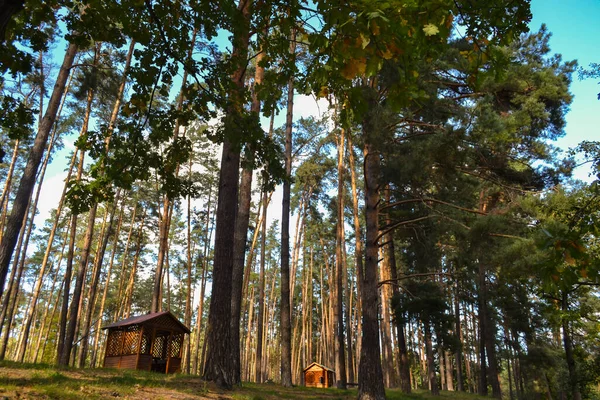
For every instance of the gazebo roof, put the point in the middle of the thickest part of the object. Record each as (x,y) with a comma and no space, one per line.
(157,319)
(318,365)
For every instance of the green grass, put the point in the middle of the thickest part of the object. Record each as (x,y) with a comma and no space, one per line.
(47,382)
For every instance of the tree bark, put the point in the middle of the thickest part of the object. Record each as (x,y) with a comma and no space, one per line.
(220,366)
(370,376)
(219,363)
(241,229)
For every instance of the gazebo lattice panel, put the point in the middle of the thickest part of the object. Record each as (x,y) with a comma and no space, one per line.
(175,345)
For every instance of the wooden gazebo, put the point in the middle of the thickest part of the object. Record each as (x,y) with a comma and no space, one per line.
(317,375)
(151,342)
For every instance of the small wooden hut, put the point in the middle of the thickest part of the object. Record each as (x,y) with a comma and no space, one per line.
(151,342)
(317,375)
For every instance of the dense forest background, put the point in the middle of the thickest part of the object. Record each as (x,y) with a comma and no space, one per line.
(429,233)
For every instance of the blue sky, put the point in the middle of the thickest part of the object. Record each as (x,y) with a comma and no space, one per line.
(575,27)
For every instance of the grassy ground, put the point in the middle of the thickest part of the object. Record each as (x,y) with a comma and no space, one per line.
(29,381)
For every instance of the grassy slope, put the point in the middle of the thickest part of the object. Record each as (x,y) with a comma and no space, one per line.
(45,382)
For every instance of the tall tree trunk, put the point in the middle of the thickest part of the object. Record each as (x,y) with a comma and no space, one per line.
(358,242)
(7,186)
(448,369)
(403,362)
(219,359)
(457,331)
(433,386)
(568,343)
(85,251)
(138,249)
(62,329)
(285,311)
(241,228)
(188,292)
(38,285)
(261,293)
(165,218)
(15,221)
(94,285)
(386,297)
(197,366)
(9,302)
(74,312)
(340,360)
(488,335)
(113,251)
(483,389)
(370,375)
(348,287)
(121,308)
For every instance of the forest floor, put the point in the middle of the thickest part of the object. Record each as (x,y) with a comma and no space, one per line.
(38,381)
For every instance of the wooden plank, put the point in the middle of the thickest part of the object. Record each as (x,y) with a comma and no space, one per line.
(128,362)
(152,338)
(144,362)
(174,365)
(112,361)
(139,347)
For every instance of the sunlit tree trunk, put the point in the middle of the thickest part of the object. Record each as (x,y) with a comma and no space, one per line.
(93,289)
(340,360)
(358,256)
(38,285)
(20,204)
(9,301)
(197,366)
(7,186)
(85,251)
(261,294)
(138,249)
(432,378)
(114,243)
(459,349)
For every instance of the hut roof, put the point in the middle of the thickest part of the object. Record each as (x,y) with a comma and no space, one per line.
(149,318)
(318,365)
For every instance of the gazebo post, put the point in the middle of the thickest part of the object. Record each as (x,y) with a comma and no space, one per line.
(139,346)
(152,339)
(168,351)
